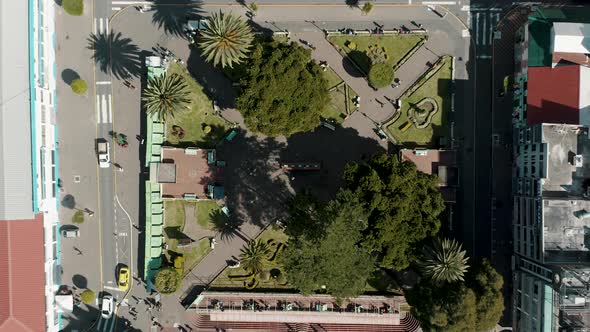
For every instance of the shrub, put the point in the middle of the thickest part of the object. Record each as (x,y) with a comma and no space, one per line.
(367,7)
(264,275)
(241,277)
(281,279)
(78,217)
(253,283)
(73,7)
(351,45)
(380,75)
(207,129)
(275,273)
(254,7)
(167,280)
(79,86)
(88,296)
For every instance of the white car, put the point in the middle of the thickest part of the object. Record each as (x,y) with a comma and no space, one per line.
(106,310)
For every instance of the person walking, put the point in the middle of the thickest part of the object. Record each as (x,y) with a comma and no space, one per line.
(78,251)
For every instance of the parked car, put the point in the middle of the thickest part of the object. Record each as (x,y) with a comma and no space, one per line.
(106,310)
(123,278)
(70,233)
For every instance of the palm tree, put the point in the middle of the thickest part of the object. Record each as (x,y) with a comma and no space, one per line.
(165,95)
(254,256)
(443,261)
(226,39)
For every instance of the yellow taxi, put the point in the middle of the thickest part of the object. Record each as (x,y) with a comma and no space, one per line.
(123,279)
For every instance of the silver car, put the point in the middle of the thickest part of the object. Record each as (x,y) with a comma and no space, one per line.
(106,310)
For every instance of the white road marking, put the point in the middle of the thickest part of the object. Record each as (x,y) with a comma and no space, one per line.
(97,110)
(127,2)
(476,27)
(485,37)
(100,321)
(100,25)
(496,9)
(483,56)
(116,8)
(449,3)
(112,325)
(106,21)
(110,109)
(465,33)
(465,8)
(103,109)
(94,26)
(103,82)
(113,288)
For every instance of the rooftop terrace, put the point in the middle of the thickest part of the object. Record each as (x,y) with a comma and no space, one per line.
(566,230)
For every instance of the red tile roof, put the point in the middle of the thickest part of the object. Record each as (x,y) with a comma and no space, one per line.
(22,276)
(553,95)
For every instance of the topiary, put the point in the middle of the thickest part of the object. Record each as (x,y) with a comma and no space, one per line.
(88,296)
(79,86)
(207,129)
(351,45)
(380,75)
(73,7)
(167,280)
(264,275)
(253,283)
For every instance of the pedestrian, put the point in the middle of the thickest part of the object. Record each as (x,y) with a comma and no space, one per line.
(78,251)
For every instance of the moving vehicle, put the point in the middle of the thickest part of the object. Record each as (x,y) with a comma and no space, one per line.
(123,278)
(102,149)
(70,233)
(106,309)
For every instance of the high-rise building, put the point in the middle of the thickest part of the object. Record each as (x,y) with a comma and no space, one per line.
(29,241)
(551,207)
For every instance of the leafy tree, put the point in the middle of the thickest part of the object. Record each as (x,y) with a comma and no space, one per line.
(88,296)
(443,261)
(284,91)
(254,7)
(367,7)
(335,260)
(73,7)
(306,216)
(226,40)
(78,217)
(165,95)
(487,283)
(403,205)
(380,75)
(474,305)
(254,256)
(79,86)
(167,280)
(376,54)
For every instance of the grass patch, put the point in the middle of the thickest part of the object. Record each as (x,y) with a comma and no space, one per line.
(175,228)
(193,121)
(336,109)
(396,46)
(380,282)
(438,88)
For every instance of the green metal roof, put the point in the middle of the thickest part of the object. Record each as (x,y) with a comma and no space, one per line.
(540,23)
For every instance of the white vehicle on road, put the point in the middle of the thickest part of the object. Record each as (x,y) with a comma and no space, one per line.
(102,149)
(106,310)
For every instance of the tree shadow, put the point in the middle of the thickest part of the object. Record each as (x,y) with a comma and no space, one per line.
(80,281)
(352,61)
(69,202)
(175,233)
(85,318)
(173,17)
(58,2)
(68,75)
(225,226)
(116,55)
(352,3)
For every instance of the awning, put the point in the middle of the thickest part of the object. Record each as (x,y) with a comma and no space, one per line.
(64,303)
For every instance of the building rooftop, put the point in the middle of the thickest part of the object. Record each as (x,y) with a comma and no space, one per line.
(571,37)
(188,172)
(564,143)
(436,162)
(566,231)
(22,275)
(16,193)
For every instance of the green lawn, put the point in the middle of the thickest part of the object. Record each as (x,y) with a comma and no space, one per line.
(193,121)
(396,46)
(174,225)
(438,88)
(336,110)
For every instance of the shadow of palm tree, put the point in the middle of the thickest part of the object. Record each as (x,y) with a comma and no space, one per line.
(172,17)
(225,226)
(116,54)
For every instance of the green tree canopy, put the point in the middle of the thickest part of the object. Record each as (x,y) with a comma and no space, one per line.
(167,280)
(79,86)
(88,296)
(334,260)
(474,305)
(284,91)
(73,7)
(254,256)
(380,75)
(403,204)
(166,95)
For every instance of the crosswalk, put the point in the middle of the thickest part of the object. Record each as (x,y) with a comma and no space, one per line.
(482,24)
(104,112)
(100,25)
(105,325)
(120,4)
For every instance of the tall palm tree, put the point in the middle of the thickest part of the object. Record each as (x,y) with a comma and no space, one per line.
(443,261)
(226,39)
(165,95)
(254,256)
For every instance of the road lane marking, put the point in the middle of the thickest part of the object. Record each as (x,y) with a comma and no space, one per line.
(97,110)
(103,82)
(113,288)
(465,33)
(100,320)
(106,22)
(110,114)
(484,35)
(94,26)
(103,109)
(116,8)
(483,56)
(476,28)
(112,324)
(448,3)
(127,2)
(100,24)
